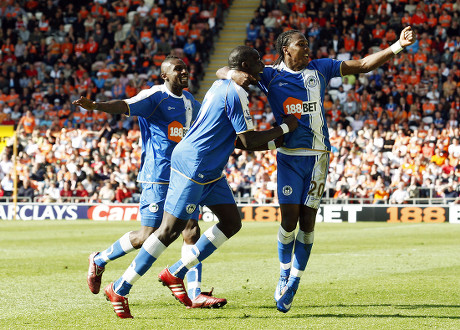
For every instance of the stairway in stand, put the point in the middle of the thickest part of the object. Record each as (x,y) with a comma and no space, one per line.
(233,34)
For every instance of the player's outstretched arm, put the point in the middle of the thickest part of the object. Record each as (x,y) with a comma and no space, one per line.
(241,78)
(373,61)
(270,145)
(264,140)
(113,106)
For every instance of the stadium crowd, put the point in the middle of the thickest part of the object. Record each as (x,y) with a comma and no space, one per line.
(394,132)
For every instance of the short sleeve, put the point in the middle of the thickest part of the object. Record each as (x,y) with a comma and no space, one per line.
(238,110)
(143,104)
(329,68)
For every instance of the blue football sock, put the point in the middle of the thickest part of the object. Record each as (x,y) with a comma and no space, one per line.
(193,275)
(211,239)
(194,281)
(148,254)
(285,246)
(115,251)
(302,250)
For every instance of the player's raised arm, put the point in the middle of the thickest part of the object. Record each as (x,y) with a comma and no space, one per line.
(113,106)
(373,61)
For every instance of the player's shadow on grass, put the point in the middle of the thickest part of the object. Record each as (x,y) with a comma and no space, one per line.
(387,305)
(363,315)
(294,314)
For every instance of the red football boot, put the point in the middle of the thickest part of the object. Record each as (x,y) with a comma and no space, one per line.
(119,303)
(206,300)
(176,285)
(94,274)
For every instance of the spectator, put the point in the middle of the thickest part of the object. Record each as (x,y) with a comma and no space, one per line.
(7,184)
(106,193)
(52,193)
(28,122)
(400,195)
(123,194)
(66,193)
(437,75)
(27,191)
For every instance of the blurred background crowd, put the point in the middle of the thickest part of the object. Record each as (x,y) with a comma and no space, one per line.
(394,132)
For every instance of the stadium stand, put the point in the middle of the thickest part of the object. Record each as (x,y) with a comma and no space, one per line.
(395,129)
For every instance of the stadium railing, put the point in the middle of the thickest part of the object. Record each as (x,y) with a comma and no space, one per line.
(10,199)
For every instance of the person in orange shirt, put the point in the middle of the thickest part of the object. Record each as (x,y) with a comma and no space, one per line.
(406,19)
(384,44)
(89,119)
(380,194)
(445,19)
(432,21)
(12,98)
(269,58)
(78,118)
(104,72)
(181,29)
(194,32)
(155,11)
(84,12)
(130,89)
(413,79)
(348,42)
(64,113)
(162,22)
(98,10)
(121,9)
(146,35)
(449,6)
(193,10)
(43,24)
(80,47)
(127,47)
(378,32)
(67,45)
(8,44)
(158,59)
(100,117)
(432,68)
(439,157)
(390,35)
(54,48)
(371,121)
(28,122)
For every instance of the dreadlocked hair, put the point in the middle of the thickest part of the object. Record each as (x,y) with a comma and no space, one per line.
(284,39)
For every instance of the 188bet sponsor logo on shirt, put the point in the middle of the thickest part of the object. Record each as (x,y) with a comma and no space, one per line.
(298,107)
(176,131)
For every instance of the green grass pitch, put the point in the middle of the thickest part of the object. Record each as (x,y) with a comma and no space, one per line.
(360,276)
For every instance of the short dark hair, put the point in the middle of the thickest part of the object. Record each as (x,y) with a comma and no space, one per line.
(168,59)
(283,40)
(238,55)
(171,57)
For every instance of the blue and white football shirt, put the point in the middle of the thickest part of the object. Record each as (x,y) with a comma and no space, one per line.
(202,154)
(164,119)
(301,93)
